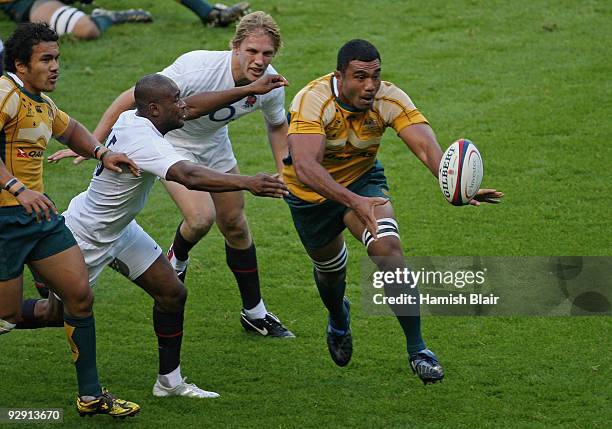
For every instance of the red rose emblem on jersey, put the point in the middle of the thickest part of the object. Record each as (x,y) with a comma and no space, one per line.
(249,102)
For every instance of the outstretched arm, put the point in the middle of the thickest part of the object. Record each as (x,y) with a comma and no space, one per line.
(205,102)
(194,176)
(421,140)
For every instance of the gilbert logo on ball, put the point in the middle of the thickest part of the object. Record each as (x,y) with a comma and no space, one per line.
(460,173)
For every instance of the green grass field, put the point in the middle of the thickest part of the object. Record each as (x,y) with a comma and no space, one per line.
(528,82)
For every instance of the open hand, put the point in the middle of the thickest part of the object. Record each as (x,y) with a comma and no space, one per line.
(266,185)
(267,83)
(65,153)
(34,201)
(364,209)
(491,196)
(113,160)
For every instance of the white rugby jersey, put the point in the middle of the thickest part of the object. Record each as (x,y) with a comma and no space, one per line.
(199,71)
(113,200)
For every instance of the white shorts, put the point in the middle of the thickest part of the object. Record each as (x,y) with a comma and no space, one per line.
(131,254)
(219,158)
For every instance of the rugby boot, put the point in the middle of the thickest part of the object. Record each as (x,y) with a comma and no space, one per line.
(269,326)
(425,364)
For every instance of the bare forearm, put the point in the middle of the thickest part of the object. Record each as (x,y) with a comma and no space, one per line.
(205,179)
(318,178)
(277,136)
(217,182)
(5,175)
(431,156)
(124,102)
(421,140)
(79,139)
(205,102)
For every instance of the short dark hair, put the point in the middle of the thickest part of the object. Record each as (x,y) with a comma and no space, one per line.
(356,49)
(19,45)
(150,88)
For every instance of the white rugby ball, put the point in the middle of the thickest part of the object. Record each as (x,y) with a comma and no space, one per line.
(460,173)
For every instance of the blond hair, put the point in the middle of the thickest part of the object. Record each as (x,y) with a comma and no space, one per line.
(257,22)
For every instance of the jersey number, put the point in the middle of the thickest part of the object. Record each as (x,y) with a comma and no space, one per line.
(100,166)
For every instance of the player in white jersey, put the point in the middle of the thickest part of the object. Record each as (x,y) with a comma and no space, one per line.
(102,218)
(206,141)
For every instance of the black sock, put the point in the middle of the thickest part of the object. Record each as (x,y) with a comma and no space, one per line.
(181,246)
(28,320)
(243,264)
(169,330)
(332,295)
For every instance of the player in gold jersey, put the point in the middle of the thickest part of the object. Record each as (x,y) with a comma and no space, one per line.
(335,182)
(31,231)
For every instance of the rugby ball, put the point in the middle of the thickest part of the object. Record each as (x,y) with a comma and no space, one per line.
(460,172)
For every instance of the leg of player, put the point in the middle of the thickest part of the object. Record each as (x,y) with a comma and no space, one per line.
(218,15)
(241,258)
(10,305)
(198,217)
(38,284)
(160,281)
(386,252)
(65,19)
(41,313)
(330,277)
(65,273)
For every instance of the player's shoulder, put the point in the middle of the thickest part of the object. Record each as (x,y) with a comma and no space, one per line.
(7,86)
(318,90)
(391,93)
(389,89)
(9,96)
(203,58)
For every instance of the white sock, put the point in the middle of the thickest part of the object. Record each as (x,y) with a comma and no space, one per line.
(257,312)
(172,379)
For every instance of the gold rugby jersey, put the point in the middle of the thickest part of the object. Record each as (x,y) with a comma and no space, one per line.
(28,121)
(352,138)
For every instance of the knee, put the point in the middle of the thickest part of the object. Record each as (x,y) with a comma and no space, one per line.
(234,226)
(173,300)
(80,302)
(86,29)
(199,225)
